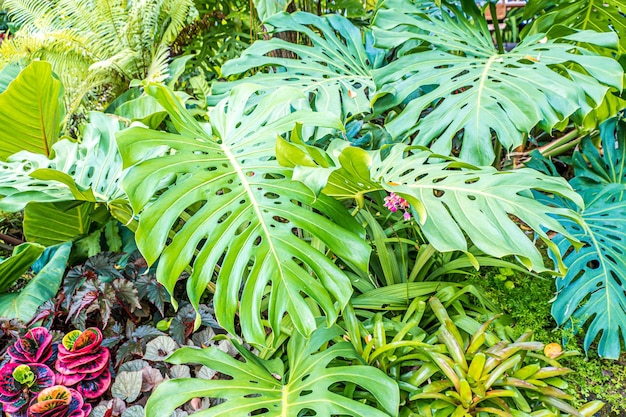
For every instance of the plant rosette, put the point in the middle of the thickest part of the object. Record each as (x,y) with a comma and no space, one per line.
(58,401)
(83,362)
(35,347)
(19,382)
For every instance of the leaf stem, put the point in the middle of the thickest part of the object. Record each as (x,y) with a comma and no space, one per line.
(10,240)
(496,27)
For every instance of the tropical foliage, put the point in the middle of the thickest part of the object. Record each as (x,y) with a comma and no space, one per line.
(96,47)
(303,217)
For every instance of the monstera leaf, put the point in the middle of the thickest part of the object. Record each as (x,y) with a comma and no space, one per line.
(593,292)
(598,15)
(266,388)
(461,85)
(336,68)
(86,171)
(218,200)
(31,110)
(452,199)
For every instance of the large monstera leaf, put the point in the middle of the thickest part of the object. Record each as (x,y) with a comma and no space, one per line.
(461,85)
(218,200)
(453,200)
(598,15)
(86,171)
(260,387)
(477,202)
(336,68)
(593,291)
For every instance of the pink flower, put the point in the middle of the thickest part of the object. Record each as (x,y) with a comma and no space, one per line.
(393,202)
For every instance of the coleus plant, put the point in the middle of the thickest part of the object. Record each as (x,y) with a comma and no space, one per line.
(19,382)
(59,401)
(83,362)
(27,381)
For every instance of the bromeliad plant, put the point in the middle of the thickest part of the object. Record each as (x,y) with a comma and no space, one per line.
(27,381)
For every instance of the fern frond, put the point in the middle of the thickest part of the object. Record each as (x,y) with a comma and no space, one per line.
(179,13)
(158,71)
(26,13)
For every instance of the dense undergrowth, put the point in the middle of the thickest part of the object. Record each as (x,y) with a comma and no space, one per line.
(525,300)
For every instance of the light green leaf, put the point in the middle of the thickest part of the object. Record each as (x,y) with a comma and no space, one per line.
(472,90)
(236,214)
(587,15)
(304,386)
(7,74)
(268,8)
(31,111)
(23,305)
(86,171)
(12,268)
(336,68)
(53,223)
(454,200)
(127,386)
(159,348)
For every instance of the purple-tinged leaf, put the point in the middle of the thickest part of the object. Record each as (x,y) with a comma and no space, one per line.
(87,363)
(35,346)
(94,387)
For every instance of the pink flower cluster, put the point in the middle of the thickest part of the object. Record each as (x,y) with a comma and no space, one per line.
(394,203)
(27,382)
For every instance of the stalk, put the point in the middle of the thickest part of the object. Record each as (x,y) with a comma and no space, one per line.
(496,27)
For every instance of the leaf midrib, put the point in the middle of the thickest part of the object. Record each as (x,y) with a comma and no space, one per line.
(257,210)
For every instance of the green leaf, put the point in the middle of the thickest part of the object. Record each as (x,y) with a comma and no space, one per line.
(31,110)
(86,171)
(469,88)
(592,292)
(8,74)
(596,15)
(127,386)
(53,223)
(23,305)
(304,386)
(268,8)
(336,68)
(11,269)
(236,214)
(454,200)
